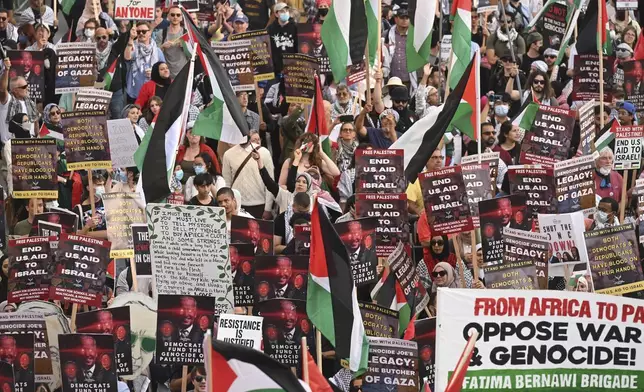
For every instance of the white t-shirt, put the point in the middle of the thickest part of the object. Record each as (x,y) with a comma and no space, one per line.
(4,124)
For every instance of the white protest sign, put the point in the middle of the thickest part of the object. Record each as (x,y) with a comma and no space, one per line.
(134,9)
(189,251)
(539,340)
(446,47)
(123,143)
(243,330)
(628,147)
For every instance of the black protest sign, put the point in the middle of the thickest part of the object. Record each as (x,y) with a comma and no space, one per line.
(285,323)
(445,199)
(253,231)
(552,25)
(489,158)
(379,321)
(393,219)
(121,211)
(628,147)
(587,128)
(281,277)
(478,186)
(86,140)
(260,53)
(495,215)
(548,140)
(29,266)
(48,229)
(30,64)
(359,237)
(76,66)
(115,322)
(18,350)
(393,366)
(302,238)
(486,6)
(537,185)
(404,269)
(86,362)
(235,58)
(3,224)
(141,245)
(31,323)
(33,168)
(68,222)
(81,267)
(93,99)
(425,337)
(613,253)
(309,40)
(380,171)
(634,84)
(575,184)
(242,269)
(585,85)
(182,322)
(299,77)
(522,245)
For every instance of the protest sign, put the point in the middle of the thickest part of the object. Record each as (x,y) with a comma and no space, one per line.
(242,269)
(114,322)
(521,275)
(489,158)
(633,86)
(87,362)
(81,266)
(235,58)
(540,340)
(393,221)
(76,66)
(446,48)
(478,186)
(299,77)
(18,350)
(141,245)
(587,128)
(182,322)
(122,209)
(123,143)
(379,321)
(253,231)
(47,229)
(183,262)
(536,184)
(134,9)
(86,140)
(93,99)
(285,323)
(575,184)
(31,324)
(497,214)
(520,246)
(30,64)
(393,366)
(425,338)
(614,257)
(566,237)
(302,237)
(242,330)
(404,269)
(261,58)
(29,266)
(628,147)
(68,221)
(548,140)
(445,201)
(585,85)
(626,4)
(190,5)
(486,6)
(552,25)
(281,277)
(310,43)
(380,171)
(358,237)
(33,168)
(639,192)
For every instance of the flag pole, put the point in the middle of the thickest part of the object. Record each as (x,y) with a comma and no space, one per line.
(305,362)
(367,74)
(514,59)
(135,284)
(210,378)
(622,203)
(600,52)
(318,348)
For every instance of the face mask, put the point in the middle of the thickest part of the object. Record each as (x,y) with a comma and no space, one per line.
(200,169)
(89,33)
(605,170)
(99,191)
(119,176)
(501,110)
(178,175)
(284,17)
(601,216)
(323,11)
(26,126)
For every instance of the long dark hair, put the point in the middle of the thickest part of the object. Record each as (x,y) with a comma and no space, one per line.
(547,89)
(210,166)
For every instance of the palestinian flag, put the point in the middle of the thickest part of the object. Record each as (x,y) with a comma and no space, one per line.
(388,293)
(46,132)
(331,299)
(156,153)
(593,32)
(468,115)
(344,34)
(607,138)
(604,43)
(372,9)
(639,48)
(420,141)
(109,73)
(419,35)
(461,16)
(526,115)
(222,119)
(457,377)
(317,119)
(317,382)
(235,368)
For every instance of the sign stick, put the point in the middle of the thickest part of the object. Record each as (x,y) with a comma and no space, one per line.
(305,367)
(72,322)
(622,203)
(184,378)
(208,355)
(475,264)
(135,284)
(90,182)
(457,250)
(55,9)
(367,74)
(600,30)
(449,71)
(318,348)
(258,98)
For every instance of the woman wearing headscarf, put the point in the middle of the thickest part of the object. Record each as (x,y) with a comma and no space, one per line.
(51,117)
(133,112)
(439,250)
(156,86)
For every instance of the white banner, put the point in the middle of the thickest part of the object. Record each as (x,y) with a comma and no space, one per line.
(242,330)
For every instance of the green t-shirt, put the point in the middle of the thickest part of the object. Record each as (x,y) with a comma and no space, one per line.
(22,228)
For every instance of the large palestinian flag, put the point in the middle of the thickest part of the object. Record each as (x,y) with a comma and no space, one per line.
(388,293)
(461,40)
(317,119)
(419,35)
(331,299)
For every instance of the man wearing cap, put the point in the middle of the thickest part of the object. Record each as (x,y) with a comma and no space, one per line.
(395,55)
(283,33)
(550,58)
(400,103)
(240,23)
(626,114)
(534,41)
(169,41)
(501,111)
(378,137)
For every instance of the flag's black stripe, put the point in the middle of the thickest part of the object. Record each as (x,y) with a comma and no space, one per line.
(587,27)
(357,31)
(387,292)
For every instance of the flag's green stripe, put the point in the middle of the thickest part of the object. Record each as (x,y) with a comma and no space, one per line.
(417,60)
(461,44)
(209,123)
(373,27)
(320,309)
(336,45)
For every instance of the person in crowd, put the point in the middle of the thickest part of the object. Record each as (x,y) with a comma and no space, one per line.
(400,103)
(88,33)
(415,203)
(129,185)
(252,118)
(141,54)
(538,89)
(509,140)
(203,183)
(258,12)
(240,23)
(629,36)
(34,207)
(42,38)
(283,33)
(170,42)
(103,49)
(192,147)
(52,117)
(550,58)
(437,250)
(344,104)
(92,217)
(626,114)
(199,379)
(299,212)
(157,86)
(607,213)
(501,111)
(379,137)
(38,12)
(394,53)
(8,31)
(599,131)
(426,94)
(203,164)
(498,45)
(224,16)
(283,197)
(291,128)
(504,80)
(608,182)
(133,112)
(153,107)
(312,156)
(159,22)
(444,276)
(347,143)
(227,200)
(534,41)
(522,15)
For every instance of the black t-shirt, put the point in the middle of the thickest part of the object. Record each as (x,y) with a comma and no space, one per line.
(195,202)
(257,12)
(280,228)
(283,40)
(527,61)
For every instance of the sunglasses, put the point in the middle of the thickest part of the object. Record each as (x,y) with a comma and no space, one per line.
(397,101)
(175,15)
(199,378)
(141,32)
(439,273)
(23,87)
(102,38)
(552,56)
(540,82)
(346,130)
(623,50)
(440,243)
(3,19)
(54,113)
